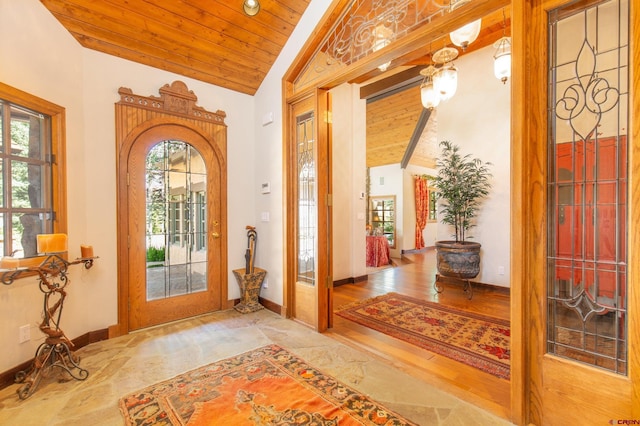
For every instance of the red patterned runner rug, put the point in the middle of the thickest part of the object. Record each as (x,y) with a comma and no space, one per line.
(473,339)
(268,385)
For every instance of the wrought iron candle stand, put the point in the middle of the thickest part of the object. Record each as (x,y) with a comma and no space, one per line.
(56,349)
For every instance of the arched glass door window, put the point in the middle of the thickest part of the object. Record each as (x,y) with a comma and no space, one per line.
(176,222)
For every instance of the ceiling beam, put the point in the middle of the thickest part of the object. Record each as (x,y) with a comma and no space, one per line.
(391,85)
(415,137)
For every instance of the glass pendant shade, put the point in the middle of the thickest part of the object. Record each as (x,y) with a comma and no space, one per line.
(430,98)
(502,59)
(428,95)
(445,81)
(467,34)
(251,7)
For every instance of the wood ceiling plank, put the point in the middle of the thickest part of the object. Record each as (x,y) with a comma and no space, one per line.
(222,78)
(268,23)
(141,52)
(391,123)
(238,27)
(81,20)
(208,40)
(275,6)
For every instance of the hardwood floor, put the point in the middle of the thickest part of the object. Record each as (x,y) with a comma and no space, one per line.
(414,276)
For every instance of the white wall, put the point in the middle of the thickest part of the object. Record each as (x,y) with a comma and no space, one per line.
(268,154)
(42,58)
(349,176)
(477,119)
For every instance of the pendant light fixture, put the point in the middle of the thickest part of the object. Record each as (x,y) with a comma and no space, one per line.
(251,7)
(430,98)
(445,79)
(502,57)
(467,34)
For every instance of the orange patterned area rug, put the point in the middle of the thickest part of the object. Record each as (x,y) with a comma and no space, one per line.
(267,386)
(473,339)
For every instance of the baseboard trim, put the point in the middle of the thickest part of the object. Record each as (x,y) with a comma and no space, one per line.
(414,251)
(268,304)
(351,280)
(7,378)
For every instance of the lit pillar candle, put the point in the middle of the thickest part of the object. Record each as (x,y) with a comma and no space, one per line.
(52,243)
(9,263)
(86,252)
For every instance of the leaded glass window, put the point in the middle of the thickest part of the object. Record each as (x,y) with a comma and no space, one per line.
(587,185)
(307,201)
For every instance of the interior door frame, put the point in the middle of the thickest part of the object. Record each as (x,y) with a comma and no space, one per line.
(134,115)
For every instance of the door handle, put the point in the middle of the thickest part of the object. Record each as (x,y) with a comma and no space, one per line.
(215,235)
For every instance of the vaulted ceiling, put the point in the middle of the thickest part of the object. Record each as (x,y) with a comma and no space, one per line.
(399,130)
(208,40)
(216,42)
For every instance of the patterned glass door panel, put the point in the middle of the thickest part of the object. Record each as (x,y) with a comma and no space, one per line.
(587,255)
(307,196)
(176,181)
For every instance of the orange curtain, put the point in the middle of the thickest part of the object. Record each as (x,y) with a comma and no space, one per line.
(422,208)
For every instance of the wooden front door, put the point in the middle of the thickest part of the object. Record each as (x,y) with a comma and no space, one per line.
(309,281)
(174,205)
(172,221)
(575,250)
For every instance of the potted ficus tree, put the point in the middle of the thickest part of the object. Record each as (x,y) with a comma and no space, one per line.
(462,183)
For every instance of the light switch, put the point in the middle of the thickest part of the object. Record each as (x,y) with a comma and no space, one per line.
(264,216)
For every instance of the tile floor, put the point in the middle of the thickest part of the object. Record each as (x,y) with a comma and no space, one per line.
(127,363)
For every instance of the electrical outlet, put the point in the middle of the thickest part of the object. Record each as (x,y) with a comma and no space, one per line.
(500,270)
(265,283)
(25,333)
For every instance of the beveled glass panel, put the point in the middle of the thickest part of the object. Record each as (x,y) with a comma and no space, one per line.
(176,220)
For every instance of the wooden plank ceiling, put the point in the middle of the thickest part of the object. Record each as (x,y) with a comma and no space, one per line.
(209,40)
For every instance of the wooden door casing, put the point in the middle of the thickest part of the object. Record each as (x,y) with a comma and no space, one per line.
(136,115)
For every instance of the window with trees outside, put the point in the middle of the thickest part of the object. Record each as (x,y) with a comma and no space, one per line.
(31,160)
(433,213)
(383,217)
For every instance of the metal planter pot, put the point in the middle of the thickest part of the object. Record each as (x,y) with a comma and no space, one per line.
(458,259)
